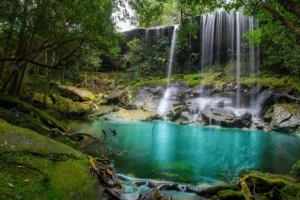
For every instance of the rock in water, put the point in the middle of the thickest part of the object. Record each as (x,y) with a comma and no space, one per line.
(225,118)
(247,116)
(286,117)
(176,112)
(218,116)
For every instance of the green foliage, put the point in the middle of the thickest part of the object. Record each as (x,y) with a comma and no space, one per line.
(278,35)
(147,59)
(68,35)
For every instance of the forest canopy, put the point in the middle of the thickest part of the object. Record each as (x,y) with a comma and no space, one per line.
(49,34)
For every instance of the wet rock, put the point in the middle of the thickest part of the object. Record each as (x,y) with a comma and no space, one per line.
(184,118)
(218,116)
(266,100)
(202,90)
(241,123)
(224,118)
(268,115)
(176,112)
(246,116)
(228,87)
(154,117)
(218,88)
(221,104)
(286,117)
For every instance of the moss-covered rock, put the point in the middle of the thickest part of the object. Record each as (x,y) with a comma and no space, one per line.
(74,93)
(271,186)
(296,169)
(71,109)
(230,195)
(35,167)
(16,106)
(286,117)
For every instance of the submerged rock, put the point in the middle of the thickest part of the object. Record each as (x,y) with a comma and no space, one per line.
(286,117)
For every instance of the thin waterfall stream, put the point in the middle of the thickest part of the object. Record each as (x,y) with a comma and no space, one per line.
(164,105)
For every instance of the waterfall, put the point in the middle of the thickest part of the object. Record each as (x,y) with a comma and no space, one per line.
(172,53)
(208,29)
(165,104)
(238,60)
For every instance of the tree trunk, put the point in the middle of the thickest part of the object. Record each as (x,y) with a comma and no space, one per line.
(13,86)
(291,6)
(21,79)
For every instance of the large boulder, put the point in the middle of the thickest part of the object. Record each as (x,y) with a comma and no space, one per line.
(286,117)
(74,93)
(218,116)
(225,118)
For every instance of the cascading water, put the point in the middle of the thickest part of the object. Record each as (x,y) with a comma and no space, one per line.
(172,53)
(165,105)
(238,60)
(222,40)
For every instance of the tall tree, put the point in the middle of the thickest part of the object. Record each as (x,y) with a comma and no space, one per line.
(62,28)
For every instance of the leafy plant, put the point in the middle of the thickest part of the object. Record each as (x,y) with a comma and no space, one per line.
(147,59)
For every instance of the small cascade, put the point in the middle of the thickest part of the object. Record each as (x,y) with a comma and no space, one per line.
(165,104)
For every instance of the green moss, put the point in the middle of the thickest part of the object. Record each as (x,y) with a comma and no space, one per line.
(52,170)
(230,194)
(264,184)
(9,102)
(152,82)
(271,82)
(296,168)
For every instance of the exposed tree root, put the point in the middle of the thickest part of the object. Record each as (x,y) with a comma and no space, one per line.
(106,176)
(245,190)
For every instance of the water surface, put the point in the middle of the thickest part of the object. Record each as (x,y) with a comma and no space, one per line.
(195,154)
